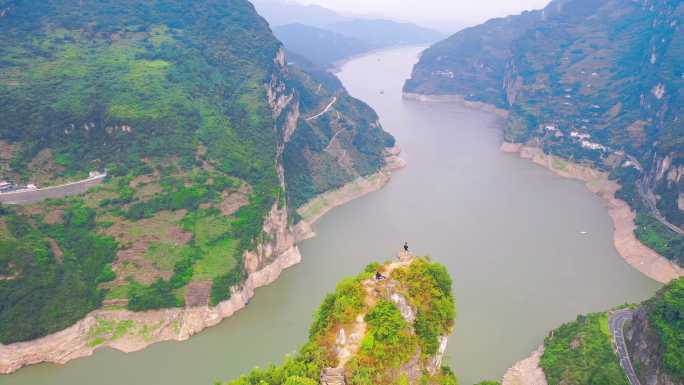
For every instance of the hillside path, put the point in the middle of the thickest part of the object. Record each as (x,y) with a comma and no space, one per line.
(325,110)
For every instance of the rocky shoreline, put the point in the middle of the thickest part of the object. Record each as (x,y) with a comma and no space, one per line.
(133,331)
(460,99)
(626,243)
(527,371)
(313,210)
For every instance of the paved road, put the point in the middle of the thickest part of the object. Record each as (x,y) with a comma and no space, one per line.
(616,323)
(54,192)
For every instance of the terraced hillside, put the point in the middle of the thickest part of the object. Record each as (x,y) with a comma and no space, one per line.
(203,129)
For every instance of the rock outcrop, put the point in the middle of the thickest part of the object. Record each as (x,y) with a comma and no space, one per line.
(527,371)
(645,347)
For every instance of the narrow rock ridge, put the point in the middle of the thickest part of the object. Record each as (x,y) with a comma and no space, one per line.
(348,343)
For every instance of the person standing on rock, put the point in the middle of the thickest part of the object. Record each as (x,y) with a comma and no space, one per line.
(406,247)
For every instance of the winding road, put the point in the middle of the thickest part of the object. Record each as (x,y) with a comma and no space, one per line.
(616,323)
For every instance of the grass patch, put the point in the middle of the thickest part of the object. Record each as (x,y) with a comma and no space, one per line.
(117,292)
(216,261)
(108,330)
(164,255)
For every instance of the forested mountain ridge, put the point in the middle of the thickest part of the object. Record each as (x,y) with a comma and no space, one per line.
(191,109)
(596,81)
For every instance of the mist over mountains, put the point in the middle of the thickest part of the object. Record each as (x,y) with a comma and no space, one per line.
(324,37)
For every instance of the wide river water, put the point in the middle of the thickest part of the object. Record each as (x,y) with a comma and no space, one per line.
(509,232)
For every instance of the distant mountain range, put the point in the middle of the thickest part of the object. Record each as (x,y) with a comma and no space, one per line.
(322,47)
(282,12)
(325,37)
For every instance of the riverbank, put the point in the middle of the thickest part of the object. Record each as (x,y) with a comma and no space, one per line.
(129,331)
(133,331)
(316,208)
(460,99)
(626,243)
(527,371)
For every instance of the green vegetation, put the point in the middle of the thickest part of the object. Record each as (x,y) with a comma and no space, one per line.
(310,169)
(166,87)
(660,238)
(169,98)
(389,342)
(108,330)
(53,270)
(667,319)
(581,352)
(429,290)
(158,295)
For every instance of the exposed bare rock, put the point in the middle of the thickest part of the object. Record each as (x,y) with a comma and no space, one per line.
(645,350)
(527,371)
(333,376)
(436,361)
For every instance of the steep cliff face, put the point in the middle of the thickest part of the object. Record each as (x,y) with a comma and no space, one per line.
(376,331)
(336,140)
(654,337)
(594,81)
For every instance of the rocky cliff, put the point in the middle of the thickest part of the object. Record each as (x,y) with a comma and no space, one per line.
(654,337)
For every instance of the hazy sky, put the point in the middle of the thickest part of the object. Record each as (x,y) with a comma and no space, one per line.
(432,10)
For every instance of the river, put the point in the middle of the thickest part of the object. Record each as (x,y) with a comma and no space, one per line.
(509,232)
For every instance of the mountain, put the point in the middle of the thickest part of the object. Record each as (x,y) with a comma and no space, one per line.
(329,44)
(283,12)
(325,37)
(369,331)
(385,33)
(210,142)
(594,81)
(321,46)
